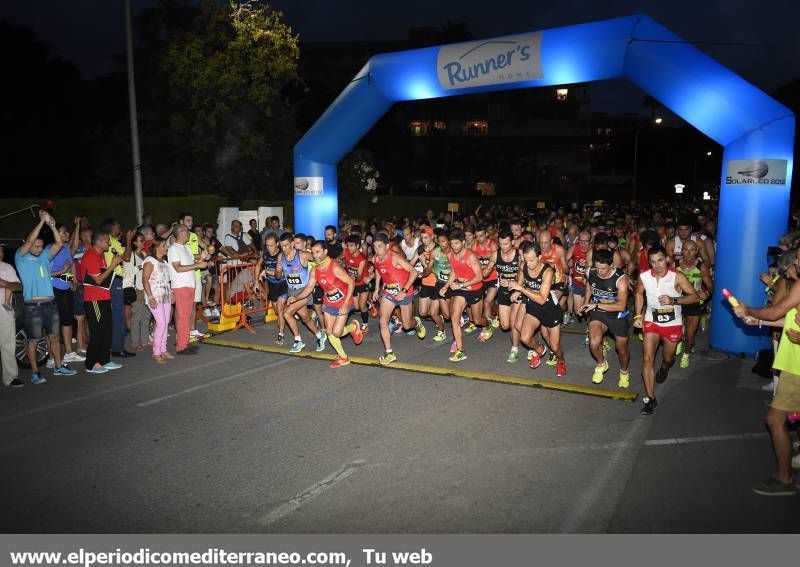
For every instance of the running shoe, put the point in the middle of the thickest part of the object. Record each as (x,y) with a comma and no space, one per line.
(458,356)
(37,378)
(339,361)
(495,322)
(16,383)
(486,333)
(684,360)
(552,360)
(661,375)
(112,365)
(774,487)
(599,372)
(795,459)
(530,353)
(394,326)
(513,356)
(464,319)
(470,328)
(323,336)
(650,405)
(679,348)
(624,379)
(297,346)
(387,358)
(364,328)
(420,328)
(561,368)
(440,336)
(356,333)
(51,363)
(279,339)
(453,347)
(64,370)
(606,346)
(536,359)
(97,369)
(73,357)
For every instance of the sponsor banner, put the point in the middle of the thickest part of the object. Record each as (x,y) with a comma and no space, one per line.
(308,186)
(497,61)
(756,172)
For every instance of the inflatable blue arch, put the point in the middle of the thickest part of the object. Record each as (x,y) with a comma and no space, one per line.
(757,132)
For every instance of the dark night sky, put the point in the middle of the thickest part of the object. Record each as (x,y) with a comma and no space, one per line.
(89,32)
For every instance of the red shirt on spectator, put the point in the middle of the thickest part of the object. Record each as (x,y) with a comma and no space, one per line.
(93,263)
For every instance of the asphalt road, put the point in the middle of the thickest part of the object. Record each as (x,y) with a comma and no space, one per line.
(240,441)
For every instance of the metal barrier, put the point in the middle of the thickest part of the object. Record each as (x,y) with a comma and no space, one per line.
(241,296)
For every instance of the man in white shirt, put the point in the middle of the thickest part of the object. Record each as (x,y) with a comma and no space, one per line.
(9,283)
(182,266)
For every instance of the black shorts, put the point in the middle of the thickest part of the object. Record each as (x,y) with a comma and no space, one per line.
(77,304)
(472,297)
(504,297)
(65,301)
(438,287)
(487,285)
(616,326)
(429,292)
(277,290)
(359,289)
(549,315)
(128,295)
(562,287)
(317,295)
(693,310)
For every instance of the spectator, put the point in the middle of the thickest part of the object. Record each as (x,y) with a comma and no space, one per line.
(9,283)
(255,236)
(187,220)
(97,284)
(111,227)
(182,267)
(80,242)
(63,280)
(237,247)
(140,316)
(147,221)
(212,246)
(149,234)
(33,262)
(273,227)
(159,298)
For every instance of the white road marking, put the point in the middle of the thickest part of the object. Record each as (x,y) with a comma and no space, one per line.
(703,439)
(214,382)
(310,493)
(7,418)
(619,463)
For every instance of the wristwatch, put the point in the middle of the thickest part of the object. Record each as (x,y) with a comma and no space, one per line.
(404,290)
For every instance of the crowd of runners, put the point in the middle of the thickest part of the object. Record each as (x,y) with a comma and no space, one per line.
(505,276)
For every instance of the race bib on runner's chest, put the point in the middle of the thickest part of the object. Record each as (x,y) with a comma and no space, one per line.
(335,296)
(662,316)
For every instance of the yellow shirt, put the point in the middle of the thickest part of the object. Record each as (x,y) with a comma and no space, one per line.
(788,356)
(194,246)
(115,245)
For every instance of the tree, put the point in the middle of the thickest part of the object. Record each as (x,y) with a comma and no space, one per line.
(228,74)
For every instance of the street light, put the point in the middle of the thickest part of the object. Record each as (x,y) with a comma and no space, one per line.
(658,120)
